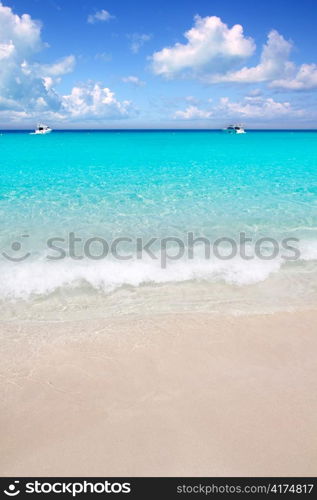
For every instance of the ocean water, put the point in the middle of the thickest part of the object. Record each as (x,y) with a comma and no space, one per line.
(96,187)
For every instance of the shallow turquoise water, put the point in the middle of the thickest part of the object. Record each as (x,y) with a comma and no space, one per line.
(153,184)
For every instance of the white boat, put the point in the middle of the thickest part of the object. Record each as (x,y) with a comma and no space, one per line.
(42,129)
(235,129)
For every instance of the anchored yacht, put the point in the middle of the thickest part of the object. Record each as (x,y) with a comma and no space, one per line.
(235,129)
(42,129)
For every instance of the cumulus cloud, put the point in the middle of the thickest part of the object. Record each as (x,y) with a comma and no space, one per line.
(50,73)
(27,87)
(211,46)
(138,40)
(250,107)
(58,68)
(99,16)
(257,107)
(19,35)
(273,63)
(214,52)
(95,102)
(22,85)
(305,78)
(193,113)
(135,80)
(274,67)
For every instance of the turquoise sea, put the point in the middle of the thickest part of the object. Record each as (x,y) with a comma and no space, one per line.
(98,186)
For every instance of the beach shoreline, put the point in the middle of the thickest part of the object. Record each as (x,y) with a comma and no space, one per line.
(190,394)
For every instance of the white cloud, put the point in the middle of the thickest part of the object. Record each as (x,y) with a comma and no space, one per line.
(6,50)
(274,67)
(95,102)
(213,51)
(257,107)
(138,40)
(50,72)
(100,15)
(27,87)
(61,67)
(273,63)
(193,113)
(135,80)
(305,78)
(19,35)
(250,107)
(20,82)
(211,46)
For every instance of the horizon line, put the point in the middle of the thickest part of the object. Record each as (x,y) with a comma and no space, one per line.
(167,129)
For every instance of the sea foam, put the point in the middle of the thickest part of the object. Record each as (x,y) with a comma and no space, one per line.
(42,277)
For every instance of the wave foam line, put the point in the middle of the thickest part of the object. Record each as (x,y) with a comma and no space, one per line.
(42,277)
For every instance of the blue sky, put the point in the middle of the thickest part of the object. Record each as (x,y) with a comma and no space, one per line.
(176,64)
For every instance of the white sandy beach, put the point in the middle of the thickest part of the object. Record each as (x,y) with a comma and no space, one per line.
(164,395)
